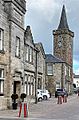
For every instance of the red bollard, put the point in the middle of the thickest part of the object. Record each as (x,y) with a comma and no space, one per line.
(64,98)
(20,110)
(23,112)
(59,99)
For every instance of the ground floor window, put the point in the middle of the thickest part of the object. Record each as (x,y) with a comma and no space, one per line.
(29,85)
(1,82)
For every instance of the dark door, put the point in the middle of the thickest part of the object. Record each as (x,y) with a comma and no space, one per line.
(14,87)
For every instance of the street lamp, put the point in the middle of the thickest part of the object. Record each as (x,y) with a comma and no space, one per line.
(36,72)
(36,80)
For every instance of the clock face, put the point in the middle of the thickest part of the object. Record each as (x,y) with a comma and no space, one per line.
(60,41)
(59,44)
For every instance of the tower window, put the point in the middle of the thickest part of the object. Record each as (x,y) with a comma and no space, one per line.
(59,41)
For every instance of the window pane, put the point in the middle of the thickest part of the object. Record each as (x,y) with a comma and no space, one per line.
(49,70)
(31,51)
(17,46)
(27,53)
(1,73)
(2,84)
(25,84)
(1,81)
(1,39)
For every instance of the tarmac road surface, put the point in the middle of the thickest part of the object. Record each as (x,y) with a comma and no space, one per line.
(48,110)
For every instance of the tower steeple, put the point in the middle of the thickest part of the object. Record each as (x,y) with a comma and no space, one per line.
(63,20)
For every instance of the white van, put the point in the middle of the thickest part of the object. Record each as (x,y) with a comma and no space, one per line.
(43,94)
(39,95)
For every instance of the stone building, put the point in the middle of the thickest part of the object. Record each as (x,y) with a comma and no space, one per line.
(76,81)
(11,49)
(40,66)
(63,50)
(18,54)
(34,65)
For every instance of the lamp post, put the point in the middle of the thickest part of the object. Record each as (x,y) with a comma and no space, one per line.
(36,79)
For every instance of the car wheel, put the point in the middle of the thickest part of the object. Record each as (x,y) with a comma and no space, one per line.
(44,97)
(39,99)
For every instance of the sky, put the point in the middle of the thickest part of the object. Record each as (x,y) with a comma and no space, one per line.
(43,16)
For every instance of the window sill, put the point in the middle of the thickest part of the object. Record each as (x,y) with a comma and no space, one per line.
(18,57)
(29,62)
(49,75)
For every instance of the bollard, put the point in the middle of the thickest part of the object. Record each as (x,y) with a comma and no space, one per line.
(20,109)
(23,111)
(64,98)
(78,93)
(59,99)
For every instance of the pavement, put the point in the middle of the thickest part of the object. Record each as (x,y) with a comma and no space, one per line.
(13,114)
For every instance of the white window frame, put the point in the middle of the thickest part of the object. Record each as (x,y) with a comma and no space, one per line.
(28,89)
(25,88)
(49,69)
(17,46)
(30,54)
(1,39)
(27,53)
(69,71)
(1,81)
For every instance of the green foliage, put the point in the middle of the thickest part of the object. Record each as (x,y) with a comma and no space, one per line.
(23,95)
(14,96)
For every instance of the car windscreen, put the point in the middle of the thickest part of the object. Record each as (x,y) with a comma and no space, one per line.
(59,89)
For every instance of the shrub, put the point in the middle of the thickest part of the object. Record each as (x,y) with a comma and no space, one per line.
(23,95)
(14,96)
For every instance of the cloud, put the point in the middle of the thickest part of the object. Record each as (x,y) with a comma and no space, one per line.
(76,66)
(76,71)
(44,16)
(47,8)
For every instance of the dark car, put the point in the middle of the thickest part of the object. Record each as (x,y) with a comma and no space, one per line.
(60,92)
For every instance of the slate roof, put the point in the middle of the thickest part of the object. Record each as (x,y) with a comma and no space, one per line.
(63,20)
(76,76)
(52,59)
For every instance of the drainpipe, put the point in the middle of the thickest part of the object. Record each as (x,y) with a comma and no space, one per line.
(62,86)
(36,79)
(36,73)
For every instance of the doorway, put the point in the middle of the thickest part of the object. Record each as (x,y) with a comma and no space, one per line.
(17,87)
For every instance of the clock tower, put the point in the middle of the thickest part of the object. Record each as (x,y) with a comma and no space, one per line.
(63,40)
(63,49)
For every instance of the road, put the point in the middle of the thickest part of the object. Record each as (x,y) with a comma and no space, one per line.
(50,110)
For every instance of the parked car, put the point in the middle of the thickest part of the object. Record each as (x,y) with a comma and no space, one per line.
(76,90)
(60,92)
(43,94)
(39,95)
